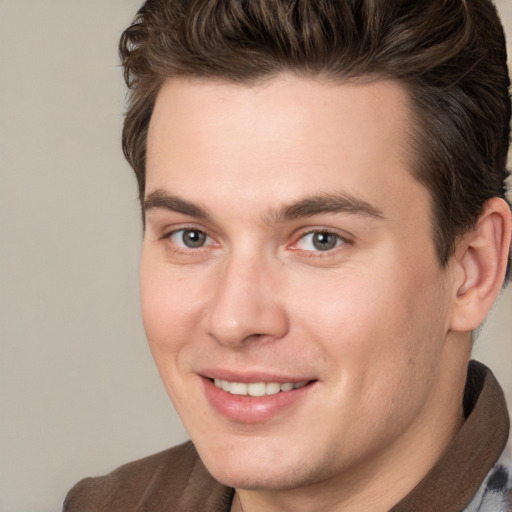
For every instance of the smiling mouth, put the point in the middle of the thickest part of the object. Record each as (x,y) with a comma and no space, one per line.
(257,388)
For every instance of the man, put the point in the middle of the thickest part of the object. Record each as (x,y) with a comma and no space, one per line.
(325,225)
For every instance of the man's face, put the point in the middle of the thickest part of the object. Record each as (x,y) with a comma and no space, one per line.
(288,251)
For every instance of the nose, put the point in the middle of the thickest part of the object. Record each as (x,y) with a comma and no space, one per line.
(247,304)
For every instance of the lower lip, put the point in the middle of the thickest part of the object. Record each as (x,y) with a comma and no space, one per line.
(251,409)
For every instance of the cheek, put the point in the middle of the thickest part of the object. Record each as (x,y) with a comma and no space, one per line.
(377,327)
(405,345)
(170,306)
(170,313)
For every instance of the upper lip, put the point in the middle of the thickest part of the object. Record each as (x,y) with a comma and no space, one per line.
(252,376)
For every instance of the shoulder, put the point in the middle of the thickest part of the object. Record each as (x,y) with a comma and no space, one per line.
(137,483)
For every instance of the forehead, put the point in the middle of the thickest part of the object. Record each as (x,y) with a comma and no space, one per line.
(271,142)
(277,107)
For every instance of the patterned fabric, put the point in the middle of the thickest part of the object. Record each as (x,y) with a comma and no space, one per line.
(494,493)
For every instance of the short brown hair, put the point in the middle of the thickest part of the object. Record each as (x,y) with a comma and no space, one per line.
(450,55)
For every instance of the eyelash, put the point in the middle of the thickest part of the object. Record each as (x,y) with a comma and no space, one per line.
(170,235)
(339,241)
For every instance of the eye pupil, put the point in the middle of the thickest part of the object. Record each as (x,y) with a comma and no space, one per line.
(324,241)
(193,238)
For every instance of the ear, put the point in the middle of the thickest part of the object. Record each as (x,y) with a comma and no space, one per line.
(481,258)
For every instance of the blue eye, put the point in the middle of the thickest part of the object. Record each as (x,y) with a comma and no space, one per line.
(319,241)
(190,238)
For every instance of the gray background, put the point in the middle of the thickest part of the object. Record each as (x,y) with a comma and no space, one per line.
(78,391)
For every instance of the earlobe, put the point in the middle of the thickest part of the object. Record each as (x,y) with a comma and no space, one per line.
(482,256)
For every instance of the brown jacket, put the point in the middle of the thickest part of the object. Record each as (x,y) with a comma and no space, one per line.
(176,480)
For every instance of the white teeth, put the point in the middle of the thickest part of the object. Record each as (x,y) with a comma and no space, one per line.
(238,388)
(257,388)
(272,388)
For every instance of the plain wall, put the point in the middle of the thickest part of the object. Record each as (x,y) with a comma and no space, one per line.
(78,391)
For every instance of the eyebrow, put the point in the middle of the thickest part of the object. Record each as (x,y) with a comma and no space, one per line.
(325,203)
(307,207)
(163,200)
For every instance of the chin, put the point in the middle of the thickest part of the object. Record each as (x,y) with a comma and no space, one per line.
(255,478)
(266,470)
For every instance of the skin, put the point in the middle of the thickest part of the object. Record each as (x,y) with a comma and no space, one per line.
(369,322)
